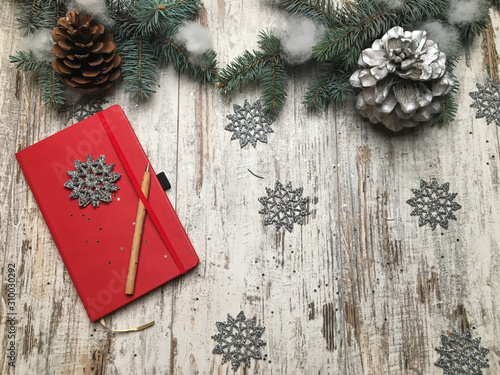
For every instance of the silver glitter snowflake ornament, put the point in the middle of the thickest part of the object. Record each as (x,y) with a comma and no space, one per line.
(461,354)
(434,204)
(81,111)
(284,206)
(92,182)
(238,340)
(487,101)
(250,123)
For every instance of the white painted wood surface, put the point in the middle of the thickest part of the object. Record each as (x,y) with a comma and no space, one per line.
(358,289)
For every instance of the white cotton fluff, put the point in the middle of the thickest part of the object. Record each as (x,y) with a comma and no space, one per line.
(394,4)
(297,41)
(40,43)
(97,8)
(446,36)
(463,11)
(195,37)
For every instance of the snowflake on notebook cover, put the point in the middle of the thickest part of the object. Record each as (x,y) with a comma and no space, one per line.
(238,340)
(461,354)
(80,111)
(434,204)
(250,123)
(92,181)
(284,206)
(487,101)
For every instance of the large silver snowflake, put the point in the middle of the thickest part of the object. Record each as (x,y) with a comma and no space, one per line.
(92,181)
(250,123)
(487,101)
(284,206)
(461,354)
(434,204)
(238,340)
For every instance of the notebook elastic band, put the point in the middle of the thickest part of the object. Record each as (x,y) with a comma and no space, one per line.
(137,188)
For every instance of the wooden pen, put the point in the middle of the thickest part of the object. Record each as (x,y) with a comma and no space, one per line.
(137,239)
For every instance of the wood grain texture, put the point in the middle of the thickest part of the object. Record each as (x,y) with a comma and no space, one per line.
(358,289)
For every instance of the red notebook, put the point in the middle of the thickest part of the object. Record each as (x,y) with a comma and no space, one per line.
(95,242)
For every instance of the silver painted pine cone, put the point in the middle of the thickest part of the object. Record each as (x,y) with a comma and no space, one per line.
(403,78)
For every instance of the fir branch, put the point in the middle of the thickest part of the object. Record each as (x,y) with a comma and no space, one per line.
(138,67)
(469,30)
(55,10)
(34,15)
(331,83)
(316,10)
(495,3)
(449,106)
(418,10)
(154,15)
(28,16)
(451,61)
(167,50)
(274,85)
(270,43)
(448,112)
(363,25)
(244,69)
(268,66)
(203,68)
(120,7)
(51,87)
(27,61)
(200,67)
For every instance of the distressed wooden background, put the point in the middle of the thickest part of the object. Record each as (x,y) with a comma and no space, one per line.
(358,289)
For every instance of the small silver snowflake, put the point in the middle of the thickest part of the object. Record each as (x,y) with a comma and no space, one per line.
(238,340)
(461,354)
(81,111)
(250,123)
(92,182)
(434,204)
(284,206)
(487,101)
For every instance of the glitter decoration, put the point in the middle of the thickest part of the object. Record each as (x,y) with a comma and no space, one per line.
(92,182)
(487,101)
(81,111)
(250,123)
(434,204)
(284,206)
(461,354)
(238,340)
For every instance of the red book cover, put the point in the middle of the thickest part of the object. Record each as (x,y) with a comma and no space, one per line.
(95,242)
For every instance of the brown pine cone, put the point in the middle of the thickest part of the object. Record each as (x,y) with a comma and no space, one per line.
(86,56)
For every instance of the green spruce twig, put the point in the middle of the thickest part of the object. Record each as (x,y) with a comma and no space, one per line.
(495,3)
(153,15)
(201,67)
(33,15)
(320,11)
(138,69)
(51,87)
(330,83)
(267,66)
(27,61)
